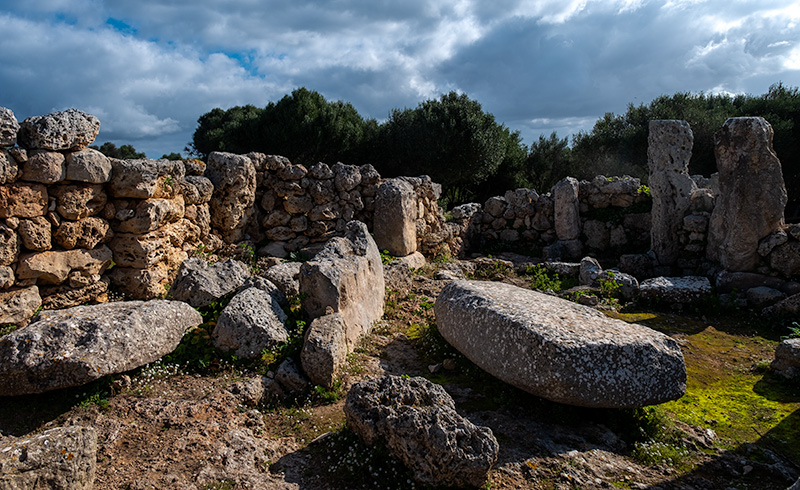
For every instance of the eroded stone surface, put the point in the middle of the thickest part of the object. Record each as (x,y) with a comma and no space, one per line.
(787,359)
(567,209)
(17,305)
(199,284)
(53,267)
(557,349)
(395,218)
(234,179)
(88,166)
(64,130)
(252,321)
(675,290)
(8,127)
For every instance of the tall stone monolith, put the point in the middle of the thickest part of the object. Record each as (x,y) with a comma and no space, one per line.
(668,152)
(567,209)
(752,194)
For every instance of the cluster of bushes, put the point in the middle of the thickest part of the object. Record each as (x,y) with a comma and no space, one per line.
(464,148)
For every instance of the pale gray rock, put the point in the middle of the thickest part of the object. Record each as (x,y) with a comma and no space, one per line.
(88,166)
(418,423)
(787,359)
(397,277)
(590,271)
(202,186)
(395,218)
(752,193)
(346,177)
(234,179)
(18,305)
(346,277)
(668,153)
(72,347)
(325,349)
(465,211)
(254,391)
(152,214)
(563,269)
(286,276)
(35,233)
(9,168)
(8,127)
(251,322)
(64,130)
(675,290)
(567,209)
(145,178)
(46,167)
(414,261)
(200,284)
(557,349)
(762,296)
(63,458)
(268,287)
(495,206)
(627,284)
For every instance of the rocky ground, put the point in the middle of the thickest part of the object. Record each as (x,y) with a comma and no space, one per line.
(179,425)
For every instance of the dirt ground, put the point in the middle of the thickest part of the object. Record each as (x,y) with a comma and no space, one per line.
(166,427)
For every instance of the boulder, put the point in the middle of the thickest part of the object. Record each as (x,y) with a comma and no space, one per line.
(18,305)
(9,168)
(35,233)
(8,127)
(145,178)
(53,267)
(752,193)
(325,349)
(256,390)
(726,281)
(395,218)
(72,347)
(675,290)
(669,150)
(418,423)
(268,287)
(203,187)
(78,290)
(251,322)
(234,179)
(787,359)
(23,200)
(567,209)
(143,284)
(64,130)
(787,307)
(414,261)
(76,201)
(152,214)
(46,167)
(346,177)
(590,271)
(557,349)
(85,233)
(63,458)
(774,239)
(286,276)
(763,296)
(290,378)
(346,277)
(88,166)
(200,284)
(785,259)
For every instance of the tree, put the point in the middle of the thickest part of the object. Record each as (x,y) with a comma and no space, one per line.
(172,156)
(124,152)
(548,162)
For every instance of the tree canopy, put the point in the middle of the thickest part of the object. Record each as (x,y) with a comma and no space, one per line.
(124,152)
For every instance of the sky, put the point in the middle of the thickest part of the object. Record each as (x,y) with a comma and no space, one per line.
(149,68)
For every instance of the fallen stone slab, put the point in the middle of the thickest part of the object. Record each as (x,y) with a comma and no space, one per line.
(200,284)
(252,321)
(72,347)
(675,290)
(63,458)
(418,423)
(557,349)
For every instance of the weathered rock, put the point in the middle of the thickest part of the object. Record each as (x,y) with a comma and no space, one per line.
(346,277)
(202,187)
(63,458)
(557,349)
(200,284)
(72,347)
(64,130)
(395,218)
(787,359)
(267,286)
(668,153)
(627,284)
(763,296)
(290,377)
(53,267)
(286,276)
(6,277)
(8,127)
(145,251)
(252,321)
(46,167)
(787,307)
(418,423)
(786,259)
(589,271)
(88,166)
(346,177)
(752,194)
(567,209)
(234,179)
(152,214)
(78,290)
(675,290)
(254,391)
(141,284)
(325,349)
(23,200)
(414,261)
(86,233)
(77,201)
(9,245)
(9,168)
(18,305)
(35,233)
(465,211)
(638,265)
(774,239)
(145,178)
(726,281)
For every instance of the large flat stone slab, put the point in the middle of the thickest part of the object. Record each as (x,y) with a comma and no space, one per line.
(557,349)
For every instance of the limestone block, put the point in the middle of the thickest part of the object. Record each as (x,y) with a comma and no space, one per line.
(46,167)
(234,179)
(77,201)
(567,209)
(64,130)
(145,178)
(86,233)
(88,166)
(22,200)
(395,218)
(9,245)
(152,214)
(53,267)
(35,233)
(9,168)
(18,305)
(8,127)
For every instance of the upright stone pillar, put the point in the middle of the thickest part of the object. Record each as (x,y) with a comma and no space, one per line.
(752,194)
(395,219)
(668,152)
(234,179)
(567,209)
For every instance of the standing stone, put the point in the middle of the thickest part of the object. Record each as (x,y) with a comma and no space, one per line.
(65,130)
(668,153)
(395,218)
(234,179)
(8,127)
(89,166)
(752,194)
(567,209)
(325,350)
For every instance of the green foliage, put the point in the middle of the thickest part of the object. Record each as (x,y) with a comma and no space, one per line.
(196,351)
(172,156)
(124,152)
(386,257)
(549,160)
(329,395)
(7,328)
(654,452)
(794,331)
(296,326)
(541,279)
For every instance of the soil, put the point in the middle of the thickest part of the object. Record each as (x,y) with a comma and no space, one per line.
(163,427)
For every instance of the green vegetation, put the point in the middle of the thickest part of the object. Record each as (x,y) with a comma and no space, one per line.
(124,152)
